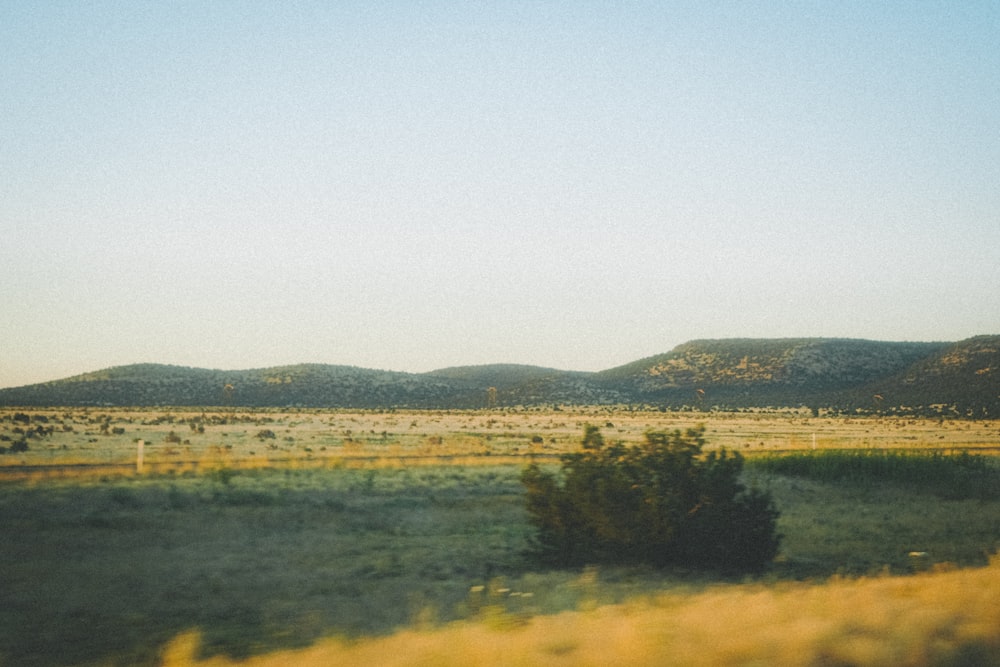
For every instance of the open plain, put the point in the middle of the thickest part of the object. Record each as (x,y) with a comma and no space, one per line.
(400,536)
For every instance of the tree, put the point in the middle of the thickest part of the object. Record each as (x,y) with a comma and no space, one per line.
(660,502)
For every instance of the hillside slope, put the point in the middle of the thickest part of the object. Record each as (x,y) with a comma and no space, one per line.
(760,372)
(846,375)
(305,385)
(962,378)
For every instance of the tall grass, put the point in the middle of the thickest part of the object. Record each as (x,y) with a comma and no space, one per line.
(951,476)
(938,619)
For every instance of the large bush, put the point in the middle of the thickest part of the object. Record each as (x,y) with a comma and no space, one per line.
(661,502)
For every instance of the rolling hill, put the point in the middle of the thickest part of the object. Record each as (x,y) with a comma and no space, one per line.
(846,375)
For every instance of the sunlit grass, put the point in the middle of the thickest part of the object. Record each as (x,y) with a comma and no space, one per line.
(93,441)
(939,619)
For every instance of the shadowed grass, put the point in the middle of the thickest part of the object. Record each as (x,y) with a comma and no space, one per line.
(106,572)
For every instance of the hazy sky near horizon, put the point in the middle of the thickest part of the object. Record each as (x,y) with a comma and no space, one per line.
(414,185)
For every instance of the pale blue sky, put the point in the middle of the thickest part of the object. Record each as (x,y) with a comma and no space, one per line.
(413,185)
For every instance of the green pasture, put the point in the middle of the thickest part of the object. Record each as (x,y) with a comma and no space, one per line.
(106,571)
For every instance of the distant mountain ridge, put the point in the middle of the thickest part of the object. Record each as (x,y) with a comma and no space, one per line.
(845,375)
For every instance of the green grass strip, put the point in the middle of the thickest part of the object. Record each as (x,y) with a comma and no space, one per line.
(952,476)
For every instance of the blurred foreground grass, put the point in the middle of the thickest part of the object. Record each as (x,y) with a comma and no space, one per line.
(940,619)
(109,571)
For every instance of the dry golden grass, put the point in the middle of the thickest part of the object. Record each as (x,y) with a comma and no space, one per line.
(315,438)
(940,618)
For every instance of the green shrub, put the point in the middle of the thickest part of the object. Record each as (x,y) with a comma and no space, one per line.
(660,502)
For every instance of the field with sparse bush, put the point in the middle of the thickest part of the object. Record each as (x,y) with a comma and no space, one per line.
(404,535)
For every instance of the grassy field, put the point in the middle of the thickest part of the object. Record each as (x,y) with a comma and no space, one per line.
(183,440)
(388,529)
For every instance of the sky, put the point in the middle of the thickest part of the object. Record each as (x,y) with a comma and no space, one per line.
(416,185)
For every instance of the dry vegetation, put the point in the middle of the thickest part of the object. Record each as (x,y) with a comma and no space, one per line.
(936,619)
(104,440)
(257,533)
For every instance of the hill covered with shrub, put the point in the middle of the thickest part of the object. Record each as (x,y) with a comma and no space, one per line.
(844,375)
